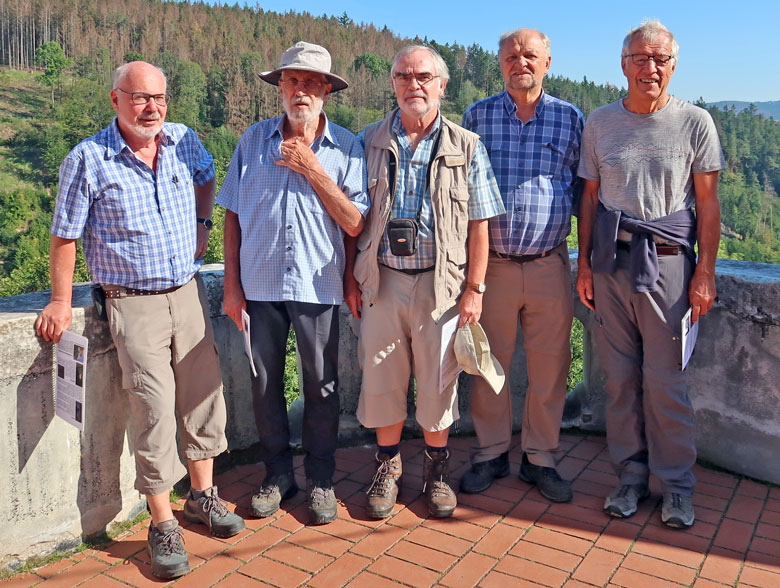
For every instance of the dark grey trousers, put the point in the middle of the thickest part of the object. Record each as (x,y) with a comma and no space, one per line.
(317,336)
(649,414)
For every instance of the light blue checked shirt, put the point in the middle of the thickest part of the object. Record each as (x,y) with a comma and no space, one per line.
(291,248)
(138,226)
(410,191)
(536,167)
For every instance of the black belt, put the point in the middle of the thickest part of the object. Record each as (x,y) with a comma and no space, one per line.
(411,272)
(520,258)
(659,249)
(120,291)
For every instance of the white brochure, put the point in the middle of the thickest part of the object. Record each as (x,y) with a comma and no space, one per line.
(247,340)
(70,380)
(448,363)
(689,331)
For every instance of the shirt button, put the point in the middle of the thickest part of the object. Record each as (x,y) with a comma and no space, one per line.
(288,269)
(289,248)
(518,209)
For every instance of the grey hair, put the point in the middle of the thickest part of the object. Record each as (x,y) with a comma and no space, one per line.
(649,31)
(509,34)
(121,72)
(438,63)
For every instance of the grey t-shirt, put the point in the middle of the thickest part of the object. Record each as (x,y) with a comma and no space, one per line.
(645,162)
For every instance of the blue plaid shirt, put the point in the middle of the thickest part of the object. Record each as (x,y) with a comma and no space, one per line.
(536,167)
(137,226)
(411,195)
(291,248)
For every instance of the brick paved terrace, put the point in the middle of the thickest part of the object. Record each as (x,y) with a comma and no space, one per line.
(508,536)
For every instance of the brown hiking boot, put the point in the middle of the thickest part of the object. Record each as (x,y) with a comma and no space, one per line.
(436,484)
(384,487)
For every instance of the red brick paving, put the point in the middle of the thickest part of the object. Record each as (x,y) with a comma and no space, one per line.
(508,536)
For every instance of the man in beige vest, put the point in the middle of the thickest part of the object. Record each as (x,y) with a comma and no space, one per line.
(421,268)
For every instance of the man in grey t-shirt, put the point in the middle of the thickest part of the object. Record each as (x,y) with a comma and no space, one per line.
(647,160)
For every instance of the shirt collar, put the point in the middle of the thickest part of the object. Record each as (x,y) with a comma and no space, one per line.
(399,130)
(511,107)
(116,143)
(327,135)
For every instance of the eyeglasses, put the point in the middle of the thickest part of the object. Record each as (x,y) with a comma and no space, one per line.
(139,98)
(312,85)
(641,59)
(404,79)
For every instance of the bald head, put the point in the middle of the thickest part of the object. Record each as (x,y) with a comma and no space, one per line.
(134,69)
(524,33)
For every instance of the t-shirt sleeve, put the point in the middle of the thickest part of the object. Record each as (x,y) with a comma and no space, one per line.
(588,167)
(709,154)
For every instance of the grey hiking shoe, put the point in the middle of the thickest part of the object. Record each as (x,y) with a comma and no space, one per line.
(384,487)
(677,510)
(274,489)
(209,510)
(321,500)
(481,475)
(166,550)
(622,501)
(547,480)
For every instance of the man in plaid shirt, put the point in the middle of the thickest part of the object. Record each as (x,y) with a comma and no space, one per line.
(533,141)
(140,195)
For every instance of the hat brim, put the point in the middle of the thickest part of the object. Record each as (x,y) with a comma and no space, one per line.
(272,77)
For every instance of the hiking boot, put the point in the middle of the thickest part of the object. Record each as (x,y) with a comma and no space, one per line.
(321,500)
(547,480)
(436,484)
(677,510)
(480,476)
(622,501)
(209,510)
(274,489)
(384,487)
(166,550)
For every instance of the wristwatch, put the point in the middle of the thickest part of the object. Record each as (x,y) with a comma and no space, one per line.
(478,287)
(206,222)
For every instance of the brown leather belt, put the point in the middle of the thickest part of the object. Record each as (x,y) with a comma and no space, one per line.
(411,272)
(659,249)
(520,258)
(113,291)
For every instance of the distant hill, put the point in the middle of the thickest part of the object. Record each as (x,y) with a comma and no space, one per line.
(766,108)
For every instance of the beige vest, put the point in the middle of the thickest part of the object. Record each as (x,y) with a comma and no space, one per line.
(449,201)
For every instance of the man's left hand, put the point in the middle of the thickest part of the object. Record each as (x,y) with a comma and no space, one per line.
(470,307)
(298,156)
(203,241)
(701,293)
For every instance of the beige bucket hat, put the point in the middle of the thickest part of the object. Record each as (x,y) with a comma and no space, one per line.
(472,350)
(305,57)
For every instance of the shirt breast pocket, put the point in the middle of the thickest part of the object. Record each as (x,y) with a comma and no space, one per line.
(553,159)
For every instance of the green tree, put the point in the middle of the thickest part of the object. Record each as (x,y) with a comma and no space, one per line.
(51,57)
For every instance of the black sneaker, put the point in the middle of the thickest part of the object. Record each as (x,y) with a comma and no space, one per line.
(481,475)
(209,510)
(274,489)
(547,480)
(321,500)
(166,550)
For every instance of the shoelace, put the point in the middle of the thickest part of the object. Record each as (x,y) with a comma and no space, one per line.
(319,493)
(380,485)
(268,488)
(624,490)
(212,504)
(172,542)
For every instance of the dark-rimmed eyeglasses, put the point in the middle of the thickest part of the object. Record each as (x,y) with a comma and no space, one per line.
(641,59)
(312,85)
(139,98)
(404,79)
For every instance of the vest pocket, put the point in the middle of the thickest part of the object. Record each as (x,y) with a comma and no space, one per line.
(456,270)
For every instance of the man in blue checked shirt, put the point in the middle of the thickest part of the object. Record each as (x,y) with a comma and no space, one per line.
(140,195)
(422,169)
(295,187)
(534,144)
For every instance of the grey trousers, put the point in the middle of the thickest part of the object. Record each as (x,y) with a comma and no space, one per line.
(317,337)
(649,414)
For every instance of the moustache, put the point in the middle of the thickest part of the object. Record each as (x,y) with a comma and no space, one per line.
(150,116)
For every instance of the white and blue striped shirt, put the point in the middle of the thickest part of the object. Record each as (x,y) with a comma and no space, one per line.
(291,248)
(138,226)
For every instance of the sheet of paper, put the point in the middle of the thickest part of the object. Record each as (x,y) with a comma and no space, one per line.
(70,381)
(247,341)
(689,331)
(448,364)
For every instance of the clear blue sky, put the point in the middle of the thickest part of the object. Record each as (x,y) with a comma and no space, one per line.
(729,50)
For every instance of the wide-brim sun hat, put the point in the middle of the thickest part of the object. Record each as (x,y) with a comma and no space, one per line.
(472,350)
(305,57)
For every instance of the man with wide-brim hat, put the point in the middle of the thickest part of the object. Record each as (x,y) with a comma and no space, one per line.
(295,187)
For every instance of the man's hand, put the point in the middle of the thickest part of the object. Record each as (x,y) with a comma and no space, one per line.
(470,307)
(202,243)
(352,295)
(584,286)
(233,302)
(298,156)
(55,318)
(701,293)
